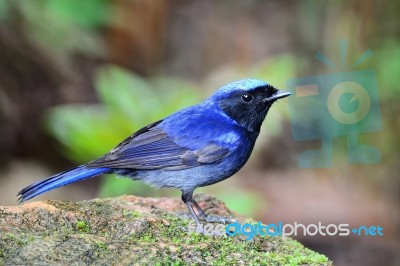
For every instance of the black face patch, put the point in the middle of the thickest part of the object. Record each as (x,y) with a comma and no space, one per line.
(248,107)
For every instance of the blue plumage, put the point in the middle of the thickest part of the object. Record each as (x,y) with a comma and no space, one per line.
(59,180)
(196,146)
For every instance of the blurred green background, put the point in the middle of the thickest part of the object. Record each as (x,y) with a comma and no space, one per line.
(77,77)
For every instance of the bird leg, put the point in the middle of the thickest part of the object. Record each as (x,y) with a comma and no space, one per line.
(187,198)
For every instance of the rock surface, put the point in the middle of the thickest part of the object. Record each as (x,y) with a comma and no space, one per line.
(132,230)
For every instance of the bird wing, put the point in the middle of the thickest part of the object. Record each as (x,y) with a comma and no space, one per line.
(152,148)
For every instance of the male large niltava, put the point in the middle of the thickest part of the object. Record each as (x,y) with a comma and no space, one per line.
(197,146)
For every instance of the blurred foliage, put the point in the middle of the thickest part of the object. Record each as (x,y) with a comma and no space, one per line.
(387,58)
(59,26)
(276,70)
(128,102)
(236,198)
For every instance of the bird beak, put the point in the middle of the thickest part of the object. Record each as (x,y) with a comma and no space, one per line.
(278,95)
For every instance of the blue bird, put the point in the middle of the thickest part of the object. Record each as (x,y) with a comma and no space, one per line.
(197,146)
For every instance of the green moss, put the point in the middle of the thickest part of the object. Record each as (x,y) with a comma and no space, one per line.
(101,244)
(18,239)
(226,250)
(82,226)
(131,214)
(111,231)
(11,244)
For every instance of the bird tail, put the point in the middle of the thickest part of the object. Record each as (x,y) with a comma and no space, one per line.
(59,180)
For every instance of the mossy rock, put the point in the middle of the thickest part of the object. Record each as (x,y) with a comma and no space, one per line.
(131,230)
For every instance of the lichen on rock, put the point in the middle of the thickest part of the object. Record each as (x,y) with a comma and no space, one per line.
(132,230)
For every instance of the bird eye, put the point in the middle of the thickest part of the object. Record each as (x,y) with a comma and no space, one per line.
(246,98)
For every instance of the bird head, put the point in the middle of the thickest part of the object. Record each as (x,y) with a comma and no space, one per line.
(247,101)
